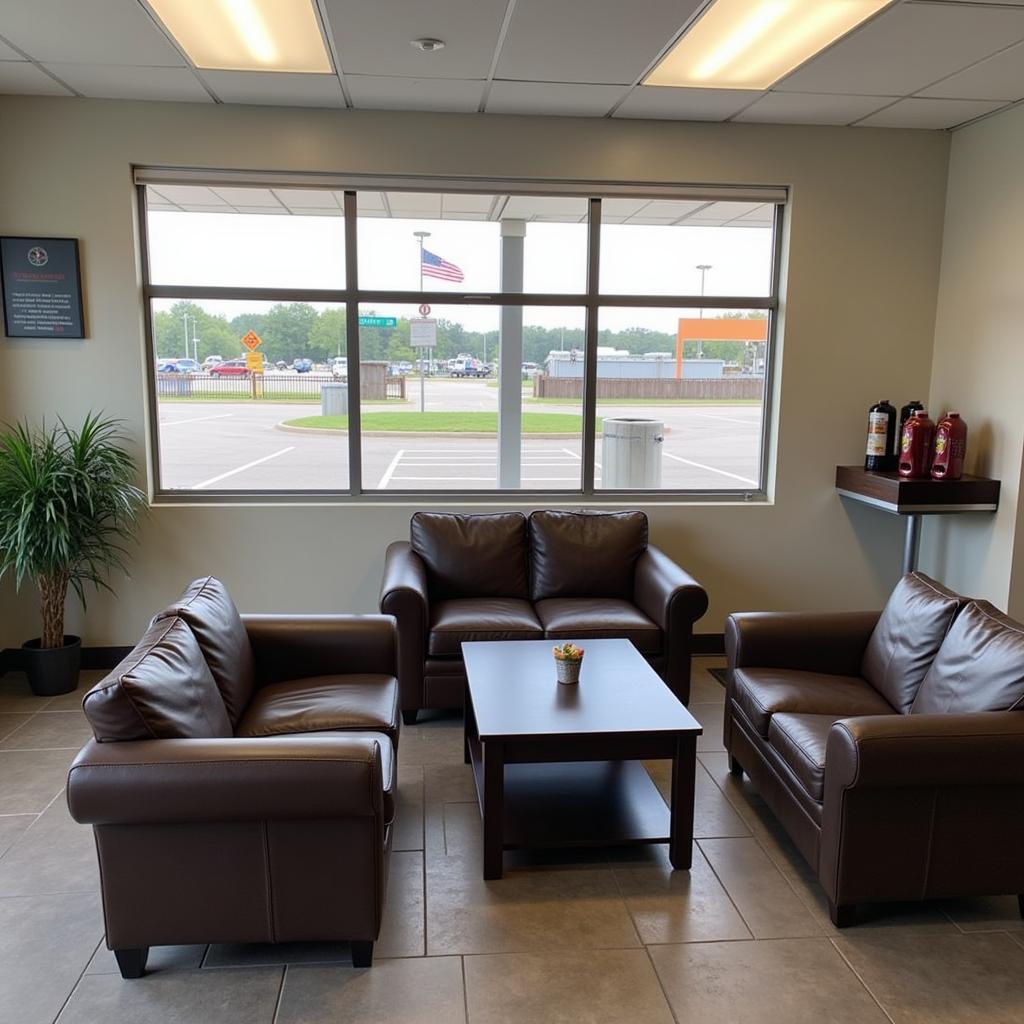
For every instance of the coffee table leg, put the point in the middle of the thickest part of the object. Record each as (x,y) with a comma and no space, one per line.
(494,808)
(468,723)
(684,768)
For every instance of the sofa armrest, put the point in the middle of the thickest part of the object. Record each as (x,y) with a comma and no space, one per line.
(403,594)
(293,646)
(831,642)
(266,778)
(666,593)
(901,751)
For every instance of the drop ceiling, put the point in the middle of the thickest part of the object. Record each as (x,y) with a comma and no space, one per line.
(930,64)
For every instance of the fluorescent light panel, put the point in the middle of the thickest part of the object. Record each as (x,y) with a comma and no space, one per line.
(247,35)
(751,44)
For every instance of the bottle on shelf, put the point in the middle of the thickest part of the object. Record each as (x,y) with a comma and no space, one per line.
(906,412)
(881,446)
(950,447)
(916,446)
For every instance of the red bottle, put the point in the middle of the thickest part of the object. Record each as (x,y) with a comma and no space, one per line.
(950,447)
(916,445)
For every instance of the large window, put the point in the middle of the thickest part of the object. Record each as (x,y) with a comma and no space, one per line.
(391,340)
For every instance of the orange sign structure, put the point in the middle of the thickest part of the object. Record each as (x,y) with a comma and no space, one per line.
(254,362)
(252,341)
(716,329)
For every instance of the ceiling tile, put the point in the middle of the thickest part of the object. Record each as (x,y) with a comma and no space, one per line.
(307,198)
(457,203)
(273,211)
(372,92)
(97,32)
(601,41)
(8,53)
(908,48)
(374,38)
(928,113)
(685,104)
(563,209)
(112,82)
(615,211)
(415,204)
(276,88)
(567,99)
(365,201)
(999,78)
(811,108)
(247,196)
(190,195)
(312,211)
(22,77)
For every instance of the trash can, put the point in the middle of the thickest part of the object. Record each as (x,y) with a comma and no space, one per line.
(334,399)
(631,453)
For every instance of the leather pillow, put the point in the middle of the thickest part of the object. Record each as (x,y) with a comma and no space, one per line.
(472,555)
(162,690)
(586,554)
(909,632)
(212,616)
(979,667)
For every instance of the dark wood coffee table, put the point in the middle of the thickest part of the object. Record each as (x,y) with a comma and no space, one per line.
(560,765)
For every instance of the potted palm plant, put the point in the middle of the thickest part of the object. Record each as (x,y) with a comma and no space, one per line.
(67,504)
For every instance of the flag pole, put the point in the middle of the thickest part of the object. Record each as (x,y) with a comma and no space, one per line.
(420,235)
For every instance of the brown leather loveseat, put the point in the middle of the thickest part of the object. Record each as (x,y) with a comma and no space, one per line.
(241,783)
(890,746)
(555,575)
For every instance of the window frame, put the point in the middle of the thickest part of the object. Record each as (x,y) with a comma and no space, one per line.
(352,297)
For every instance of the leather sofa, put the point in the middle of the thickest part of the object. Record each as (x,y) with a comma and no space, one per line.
(890,746)
(555,575)
(241,780)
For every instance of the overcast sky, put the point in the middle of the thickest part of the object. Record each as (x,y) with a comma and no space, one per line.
(249,250)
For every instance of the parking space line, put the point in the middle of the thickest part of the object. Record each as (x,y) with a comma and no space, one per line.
(711,469)
(195,419)
(390,471)
(730,419)
(242,469)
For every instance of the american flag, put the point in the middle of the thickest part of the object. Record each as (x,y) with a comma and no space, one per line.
(433,266)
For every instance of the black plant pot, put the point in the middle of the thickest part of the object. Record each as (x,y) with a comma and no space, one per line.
(54,670)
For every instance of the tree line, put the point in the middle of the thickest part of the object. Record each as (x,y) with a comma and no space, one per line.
(297,330)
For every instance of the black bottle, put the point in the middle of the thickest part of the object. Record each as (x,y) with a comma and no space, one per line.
(881,446)
(906,412)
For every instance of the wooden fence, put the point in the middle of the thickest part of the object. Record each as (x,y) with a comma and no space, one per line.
(623,387)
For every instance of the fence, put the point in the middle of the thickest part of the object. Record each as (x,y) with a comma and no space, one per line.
(273,387)
(619,387)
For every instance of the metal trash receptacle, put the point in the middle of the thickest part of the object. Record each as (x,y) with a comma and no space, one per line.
(631,453)
(334,399)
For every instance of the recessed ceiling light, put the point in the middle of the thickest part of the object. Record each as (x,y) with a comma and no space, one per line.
(428,45)
(247,35)
(751,44)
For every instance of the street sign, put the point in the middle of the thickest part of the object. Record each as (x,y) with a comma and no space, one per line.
(378,321)
(254,361)
(423,332)
(252,341)
(424,310)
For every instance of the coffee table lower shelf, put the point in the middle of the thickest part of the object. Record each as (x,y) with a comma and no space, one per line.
(577,803)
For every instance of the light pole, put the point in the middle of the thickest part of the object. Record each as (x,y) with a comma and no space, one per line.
(185,317)
(703,268)
(420,235)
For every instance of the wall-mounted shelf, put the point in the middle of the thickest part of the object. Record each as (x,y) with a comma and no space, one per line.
(892,493)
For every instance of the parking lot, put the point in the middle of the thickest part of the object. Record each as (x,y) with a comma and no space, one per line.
(239,446)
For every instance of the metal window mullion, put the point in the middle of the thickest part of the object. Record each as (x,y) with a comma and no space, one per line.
(769,353)
(355,451)
(589,439)
(150,359)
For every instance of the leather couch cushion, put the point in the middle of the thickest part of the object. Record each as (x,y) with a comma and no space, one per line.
(585,618)
(212,616)
(903,645)
(491,618)
(472,555)
(162,690)
(979,667)
(585,554)
(324,704)
(763,692)
(800,741)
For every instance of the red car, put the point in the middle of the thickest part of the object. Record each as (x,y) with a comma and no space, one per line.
(232,368)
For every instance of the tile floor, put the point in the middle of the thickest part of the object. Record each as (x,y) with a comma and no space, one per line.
(606,937)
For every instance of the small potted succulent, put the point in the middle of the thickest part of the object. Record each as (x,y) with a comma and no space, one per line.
(568,661)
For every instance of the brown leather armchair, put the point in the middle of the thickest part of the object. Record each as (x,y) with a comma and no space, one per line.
(554,575)
(890,746)
(241,782)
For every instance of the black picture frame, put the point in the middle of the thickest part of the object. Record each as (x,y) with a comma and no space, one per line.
(40,303)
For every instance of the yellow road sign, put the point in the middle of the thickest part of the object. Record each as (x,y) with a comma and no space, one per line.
(254,362)
(252,341)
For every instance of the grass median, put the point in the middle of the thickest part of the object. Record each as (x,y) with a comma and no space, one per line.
(445,422)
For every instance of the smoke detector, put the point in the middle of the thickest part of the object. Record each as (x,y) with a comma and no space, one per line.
(427,45)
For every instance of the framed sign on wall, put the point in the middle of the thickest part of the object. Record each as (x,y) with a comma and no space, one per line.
(42,287)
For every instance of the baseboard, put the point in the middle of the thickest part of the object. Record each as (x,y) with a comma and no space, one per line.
(708,643)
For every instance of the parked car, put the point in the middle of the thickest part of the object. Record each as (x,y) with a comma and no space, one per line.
(167,366)
(188,366)
(231,368)
(530,370)
(470,368)
(339,366)
(211,361)
(302,365)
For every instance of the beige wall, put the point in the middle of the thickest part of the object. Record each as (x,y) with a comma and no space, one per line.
(979,355)
(858,317)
